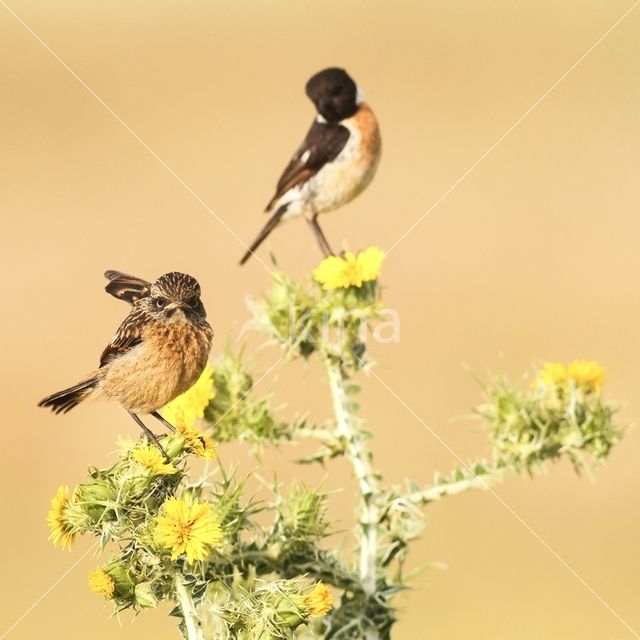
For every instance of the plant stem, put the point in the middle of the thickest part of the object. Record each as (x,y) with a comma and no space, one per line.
(474,480)
(188,608)
(367,485)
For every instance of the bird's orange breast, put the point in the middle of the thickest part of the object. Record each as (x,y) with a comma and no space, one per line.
(169,360)
(367,125)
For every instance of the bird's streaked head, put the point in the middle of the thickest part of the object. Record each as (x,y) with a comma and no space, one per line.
(334,94)
(175,296)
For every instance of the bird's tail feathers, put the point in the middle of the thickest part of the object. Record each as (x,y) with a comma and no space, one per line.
(67,399)
(272,223)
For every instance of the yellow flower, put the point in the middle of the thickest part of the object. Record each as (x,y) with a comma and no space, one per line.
(206,448)
(190,406)
(101,582)
(187,527)
(199,443)
(337,272)
(62,531)
(149,457)
(587,375)
(553,373)
(320,601)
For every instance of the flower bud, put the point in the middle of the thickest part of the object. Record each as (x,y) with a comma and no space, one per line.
(123,585)
(93,498)
(174,445)
(144,595)
(290,610)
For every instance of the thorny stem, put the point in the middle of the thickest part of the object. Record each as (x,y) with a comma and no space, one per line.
(188,608)
(360,460)
(474,481)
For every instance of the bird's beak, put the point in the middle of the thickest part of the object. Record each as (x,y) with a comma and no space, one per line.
(175,305)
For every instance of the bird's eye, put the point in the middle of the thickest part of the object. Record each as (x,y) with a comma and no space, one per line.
(193,302)
(160,302)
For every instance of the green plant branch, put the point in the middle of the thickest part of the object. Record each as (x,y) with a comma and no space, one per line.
(463,480)
(322,435)
(188,608)
(367,485)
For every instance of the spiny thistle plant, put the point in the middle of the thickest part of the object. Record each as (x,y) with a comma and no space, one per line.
(235,567)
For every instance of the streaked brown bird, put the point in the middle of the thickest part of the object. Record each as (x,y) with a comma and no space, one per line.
(157,353)
(335,162)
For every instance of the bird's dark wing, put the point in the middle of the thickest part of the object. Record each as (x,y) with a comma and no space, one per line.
(126,287)
(322,144)
(128,335)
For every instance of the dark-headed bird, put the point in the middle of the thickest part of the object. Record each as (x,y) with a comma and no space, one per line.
(336,161)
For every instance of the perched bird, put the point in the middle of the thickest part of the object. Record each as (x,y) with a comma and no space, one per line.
(157,353)
(335,162)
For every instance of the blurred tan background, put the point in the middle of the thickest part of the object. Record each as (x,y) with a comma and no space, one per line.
(534,256)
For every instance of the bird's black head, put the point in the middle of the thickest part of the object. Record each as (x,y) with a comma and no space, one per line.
(176,291)
(334,94)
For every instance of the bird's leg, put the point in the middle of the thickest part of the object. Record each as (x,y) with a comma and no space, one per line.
(320,237)
(147,432)
(166,423)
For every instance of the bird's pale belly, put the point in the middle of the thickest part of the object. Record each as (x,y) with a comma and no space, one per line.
(168,361)
(337,184)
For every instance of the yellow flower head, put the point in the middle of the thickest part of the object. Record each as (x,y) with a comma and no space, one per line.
(101,582)
(337,272)
(187,527)
(199,443)
(586,375)
(62,531)
(190,406)
(553,373)
(320,601)
(151,459)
